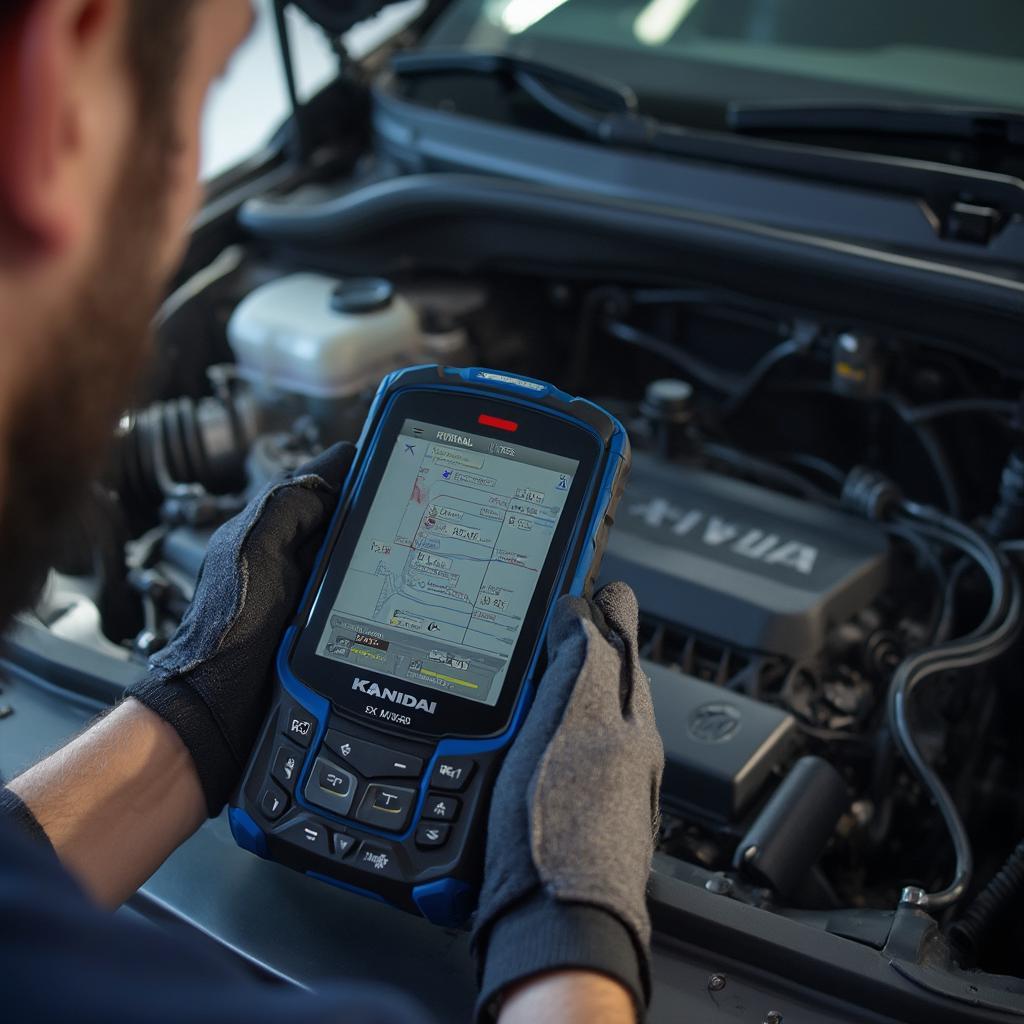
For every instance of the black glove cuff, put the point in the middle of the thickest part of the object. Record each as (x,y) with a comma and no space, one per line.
(544,935)
(17,812)
(185,712)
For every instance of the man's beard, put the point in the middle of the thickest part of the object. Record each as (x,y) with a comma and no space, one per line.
(59,432)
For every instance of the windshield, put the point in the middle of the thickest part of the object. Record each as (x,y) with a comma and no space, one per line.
(687,59)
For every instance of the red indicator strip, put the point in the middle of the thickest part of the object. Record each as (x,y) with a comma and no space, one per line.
(497,422)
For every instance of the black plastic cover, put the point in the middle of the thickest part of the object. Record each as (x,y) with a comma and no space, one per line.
(720,747)
(741,563)
(783,845)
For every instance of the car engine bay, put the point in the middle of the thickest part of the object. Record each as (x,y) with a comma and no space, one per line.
(823,525)
(776,616)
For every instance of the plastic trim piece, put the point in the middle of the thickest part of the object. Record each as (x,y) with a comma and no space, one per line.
(976,308)
(247,833)
(446,902)
(348,887)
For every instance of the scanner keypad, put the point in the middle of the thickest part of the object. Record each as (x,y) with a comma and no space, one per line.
(354,807)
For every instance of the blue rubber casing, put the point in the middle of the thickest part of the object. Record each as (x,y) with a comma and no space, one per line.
(446,901)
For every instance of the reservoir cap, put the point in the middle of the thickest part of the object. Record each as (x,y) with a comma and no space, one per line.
(362,295)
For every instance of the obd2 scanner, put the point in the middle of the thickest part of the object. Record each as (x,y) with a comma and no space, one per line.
(475,500)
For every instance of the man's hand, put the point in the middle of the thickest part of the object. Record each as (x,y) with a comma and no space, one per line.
(211,683)
(119,798)
(573,816)
(568,997)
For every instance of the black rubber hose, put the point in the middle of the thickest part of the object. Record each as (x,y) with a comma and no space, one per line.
(995,900)
(932,446)
(804,333)
(874,496)
(765,471)
(1007,517)
(696,369)
(993,637)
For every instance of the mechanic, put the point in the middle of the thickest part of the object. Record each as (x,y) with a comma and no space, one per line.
(100,104)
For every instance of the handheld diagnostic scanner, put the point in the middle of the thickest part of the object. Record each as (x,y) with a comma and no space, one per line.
(476,499)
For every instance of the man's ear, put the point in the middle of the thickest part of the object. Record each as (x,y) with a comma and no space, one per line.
(50,54)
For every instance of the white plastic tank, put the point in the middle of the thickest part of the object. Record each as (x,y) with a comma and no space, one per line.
(323,337)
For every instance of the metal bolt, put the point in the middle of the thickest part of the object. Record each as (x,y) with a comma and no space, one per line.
(773,1017)
(716,982)
(6,711)
(913,896)
(719,885)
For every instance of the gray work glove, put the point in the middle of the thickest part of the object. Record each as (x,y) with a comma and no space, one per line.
(574,812)
(212,681)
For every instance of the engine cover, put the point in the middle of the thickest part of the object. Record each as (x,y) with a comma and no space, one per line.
(741,563)
(720,747)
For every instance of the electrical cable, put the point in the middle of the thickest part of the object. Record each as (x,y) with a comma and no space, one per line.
(944,627)
(726,383)
(996,900)
(921,429)
(814,463)
(803,336)
(601,301)
(993,637)
(762,469)
(928,440)
(738,390)
(954,406)
(931,559)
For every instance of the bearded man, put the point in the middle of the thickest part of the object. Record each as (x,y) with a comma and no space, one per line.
(100,104)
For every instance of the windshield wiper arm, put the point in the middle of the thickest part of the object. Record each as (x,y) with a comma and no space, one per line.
(599,107)
(1001,127)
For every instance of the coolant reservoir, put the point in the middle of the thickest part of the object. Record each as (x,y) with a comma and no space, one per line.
(320,337)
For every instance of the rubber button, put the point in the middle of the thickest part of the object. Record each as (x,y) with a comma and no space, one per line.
(342,844)
(371,760)
(330,787)
(452,773)
(299,725)
(273,803)
(441,807)
(286,765)
(386,806)
(377,859)
(308,834)
(429,836)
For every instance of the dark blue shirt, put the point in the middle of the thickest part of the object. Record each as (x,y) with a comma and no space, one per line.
(64,959)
